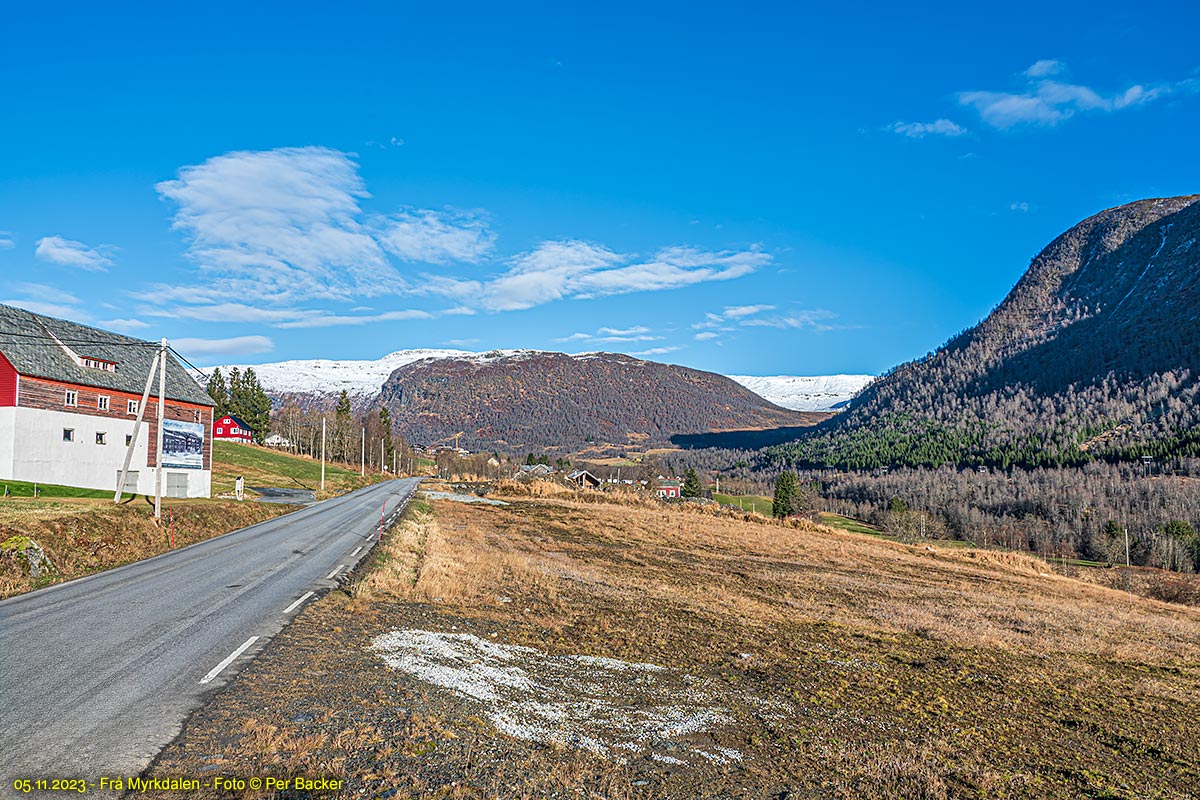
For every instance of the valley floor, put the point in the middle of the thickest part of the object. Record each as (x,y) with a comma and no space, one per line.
(559,648)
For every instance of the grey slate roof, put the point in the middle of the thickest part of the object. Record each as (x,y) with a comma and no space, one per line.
(25,341)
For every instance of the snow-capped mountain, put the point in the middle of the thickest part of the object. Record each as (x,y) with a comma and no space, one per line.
(806,393)
(322,380)
(361,379)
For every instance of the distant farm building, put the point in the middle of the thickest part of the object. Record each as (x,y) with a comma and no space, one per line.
(668,489)
(584,479)
(70,396)
(275,440)
(534,470)
(232,429)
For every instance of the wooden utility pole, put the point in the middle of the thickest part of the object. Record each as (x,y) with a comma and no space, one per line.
(322,452)
(162,407)
(136,427)
(362,467)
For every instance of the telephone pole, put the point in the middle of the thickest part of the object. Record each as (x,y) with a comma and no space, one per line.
(322,453)
(133,437)
(162,403)
(362,468)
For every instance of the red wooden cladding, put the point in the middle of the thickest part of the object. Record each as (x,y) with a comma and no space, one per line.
(8,383)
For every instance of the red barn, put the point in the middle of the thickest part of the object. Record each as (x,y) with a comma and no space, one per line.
(231,429)
(670,489)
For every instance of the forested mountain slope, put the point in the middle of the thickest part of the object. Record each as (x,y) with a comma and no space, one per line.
(1094,353)
(520,400)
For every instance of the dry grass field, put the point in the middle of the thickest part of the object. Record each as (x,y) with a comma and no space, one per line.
(561,647)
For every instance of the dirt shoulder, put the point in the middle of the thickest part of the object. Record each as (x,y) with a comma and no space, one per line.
(553,648)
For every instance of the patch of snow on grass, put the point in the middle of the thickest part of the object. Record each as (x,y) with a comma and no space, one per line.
(464,498)
(602,705)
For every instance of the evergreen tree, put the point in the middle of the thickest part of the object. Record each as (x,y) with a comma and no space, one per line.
(691,484)
(219,393)
(343,428)
(234,403)
(255,408)
(389,445)
(787,486)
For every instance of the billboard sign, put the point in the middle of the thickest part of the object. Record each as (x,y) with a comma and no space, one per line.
(183,444)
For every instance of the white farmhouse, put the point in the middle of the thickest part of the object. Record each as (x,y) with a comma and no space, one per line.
(69,397)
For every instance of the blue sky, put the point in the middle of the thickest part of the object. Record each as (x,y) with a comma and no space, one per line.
(749,189)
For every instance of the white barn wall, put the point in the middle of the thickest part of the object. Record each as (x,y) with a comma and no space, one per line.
(32,449)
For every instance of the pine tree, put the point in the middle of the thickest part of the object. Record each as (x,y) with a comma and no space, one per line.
(255,406)
(219,393)
(389,445)
(787,486)
(691,484)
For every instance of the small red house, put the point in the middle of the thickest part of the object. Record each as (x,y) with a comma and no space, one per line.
(231,429)
(668,489)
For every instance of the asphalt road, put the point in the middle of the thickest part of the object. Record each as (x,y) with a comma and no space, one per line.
(98,674)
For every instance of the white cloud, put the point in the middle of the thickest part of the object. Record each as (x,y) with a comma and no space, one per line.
(1047,102)
(638,333)
(657,351)
(737,312)
(237,345)
(814,319)
(124,325)
(48,309)
(322,319)
(1045,68)
(432,237)
(6,241)
(1021,207)
(69,253)
(704,336)
(281,317)
(575,269)
(41,291)
(287,224)
(919,130)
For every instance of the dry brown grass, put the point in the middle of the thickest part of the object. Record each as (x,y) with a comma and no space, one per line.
(82,536)
(907,670)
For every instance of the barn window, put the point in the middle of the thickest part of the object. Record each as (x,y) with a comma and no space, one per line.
(68,434)
(131,407)
(195,416)
(220,430)
(72,398)
(128,439)
(102,403)
(101,437)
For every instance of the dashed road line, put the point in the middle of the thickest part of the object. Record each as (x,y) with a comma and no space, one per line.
(336,570)
(228,660)
(296,604)
(356,551)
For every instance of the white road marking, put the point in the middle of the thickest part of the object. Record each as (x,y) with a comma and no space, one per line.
(336,570)
(356,551)
(228,660)
(293,606)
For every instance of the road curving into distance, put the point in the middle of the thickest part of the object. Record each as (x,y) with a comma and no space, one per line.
(98,674)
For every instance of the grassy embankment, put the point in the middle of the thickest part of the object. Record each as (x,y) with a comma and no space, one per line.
(846,665)
(82,531)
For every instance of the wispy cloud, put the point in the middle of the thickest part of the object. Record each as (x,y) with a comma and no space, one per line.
(704,336)
(638,333)
(124,325)
(49,300)
(288,227)
(287,224)
(1021,207)
(69,253)
(1046,100)
(816,319)
(432,237)
(574,269)
(919,130)
(237,345)
(280,317)
(6,241)
(658,351)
